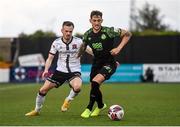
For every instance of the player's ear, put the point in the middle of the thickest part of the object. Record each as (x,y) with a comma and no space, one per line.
(101,20)
(90,20)
(62,30)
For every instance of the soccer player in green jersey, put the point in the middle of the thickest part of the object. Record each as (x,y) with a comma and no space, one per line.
(100,39)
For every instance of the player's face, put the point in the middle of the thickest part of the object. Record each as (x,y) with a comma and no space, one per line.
(67,32)
(96,22)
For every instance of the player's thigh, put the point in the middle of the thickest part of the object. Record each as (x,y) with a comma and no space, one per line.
(108,70)
(58,78)
(76,83)
(47,86)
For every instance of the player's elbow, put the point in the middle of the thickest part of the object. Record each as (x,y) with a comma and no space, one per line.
(128,34)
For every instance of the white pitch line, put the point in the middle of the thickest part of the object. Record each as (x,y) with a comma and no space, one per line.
(15,87)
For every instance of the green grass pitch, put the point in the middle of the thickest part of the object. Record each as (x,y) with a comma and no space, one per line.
(144,105)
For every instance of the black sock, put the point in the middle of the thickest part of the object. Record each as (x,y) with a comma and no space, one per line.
(92,100)
(92,95)
(98,95)
(99,99)
(95,95)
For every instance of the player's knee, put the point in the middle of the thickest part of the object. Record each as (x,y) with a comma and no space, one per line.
(95,84)
(99,78)
(77,89)
(42,93)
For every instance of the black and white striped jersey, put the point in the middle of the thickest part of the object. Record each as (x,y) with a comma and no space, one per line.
(67,59)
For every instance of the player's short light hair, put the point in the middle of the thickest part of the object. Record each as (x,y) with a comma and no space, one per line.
(68,23)
(96,12)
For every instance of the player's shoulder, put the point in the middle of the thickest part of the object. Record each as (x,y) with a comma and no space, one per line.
(77,39)
(107,29)
(89,31)
(57,40)
(111,31)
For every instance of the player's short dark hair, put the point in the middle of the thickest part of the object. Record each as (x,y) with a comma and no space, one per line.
(96,12)
(68,23)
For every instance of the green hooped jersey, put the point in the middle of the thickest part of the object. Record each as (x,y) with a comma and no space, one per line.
(102,43)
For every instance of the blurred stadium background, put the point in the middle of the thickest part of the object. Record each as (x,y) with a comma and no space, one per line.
(149,70)
(154,58)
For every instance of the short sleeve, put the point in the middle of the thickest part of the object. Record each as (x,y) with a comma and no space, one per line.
(114,32)
(53,48)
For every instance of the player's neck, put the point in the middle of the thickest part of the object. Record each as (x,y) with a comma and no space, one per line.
(66,40)
(97,30)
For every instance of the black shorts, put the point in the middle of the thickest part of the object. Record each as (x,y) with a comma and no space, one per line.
(106,70)
(60,77)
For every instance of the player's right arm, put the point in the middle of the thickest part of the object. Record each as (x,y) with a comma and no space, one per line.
(81,50)
(50,58)
(47,65)
(89,51)
(125,35)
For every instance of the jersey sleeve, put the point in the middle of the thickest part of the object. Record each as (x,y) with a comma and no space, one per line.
(113,32)
(86,36)
(80,41)
(53,48)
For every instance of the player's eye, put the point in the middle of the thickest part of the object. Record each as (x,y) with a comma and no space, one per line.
(68,31)
(96,20)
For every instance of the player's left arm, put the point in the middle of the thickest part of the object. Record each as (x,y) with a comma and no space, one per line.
(125,35)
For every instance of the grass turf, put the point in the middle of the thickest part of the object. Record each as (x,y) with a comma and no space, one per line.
(144,105)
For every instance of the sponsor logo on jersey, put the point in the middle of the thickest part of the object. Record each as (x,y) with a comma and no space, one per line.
(97,46)
(68,52)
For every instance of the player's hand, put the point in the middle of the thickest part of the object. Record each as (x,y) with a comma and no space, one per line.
(45,74)
(114,51)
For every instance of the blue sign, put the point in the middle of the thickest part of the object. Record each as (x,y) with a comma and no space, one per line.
(124,73)
(85,72)
(26,74)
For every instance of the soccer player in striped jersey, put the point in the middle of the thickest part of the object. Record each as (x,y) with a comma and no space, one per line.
(68,68)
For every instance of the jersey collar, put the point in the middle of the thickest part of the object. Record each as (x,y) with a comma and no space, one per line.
(68,42)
